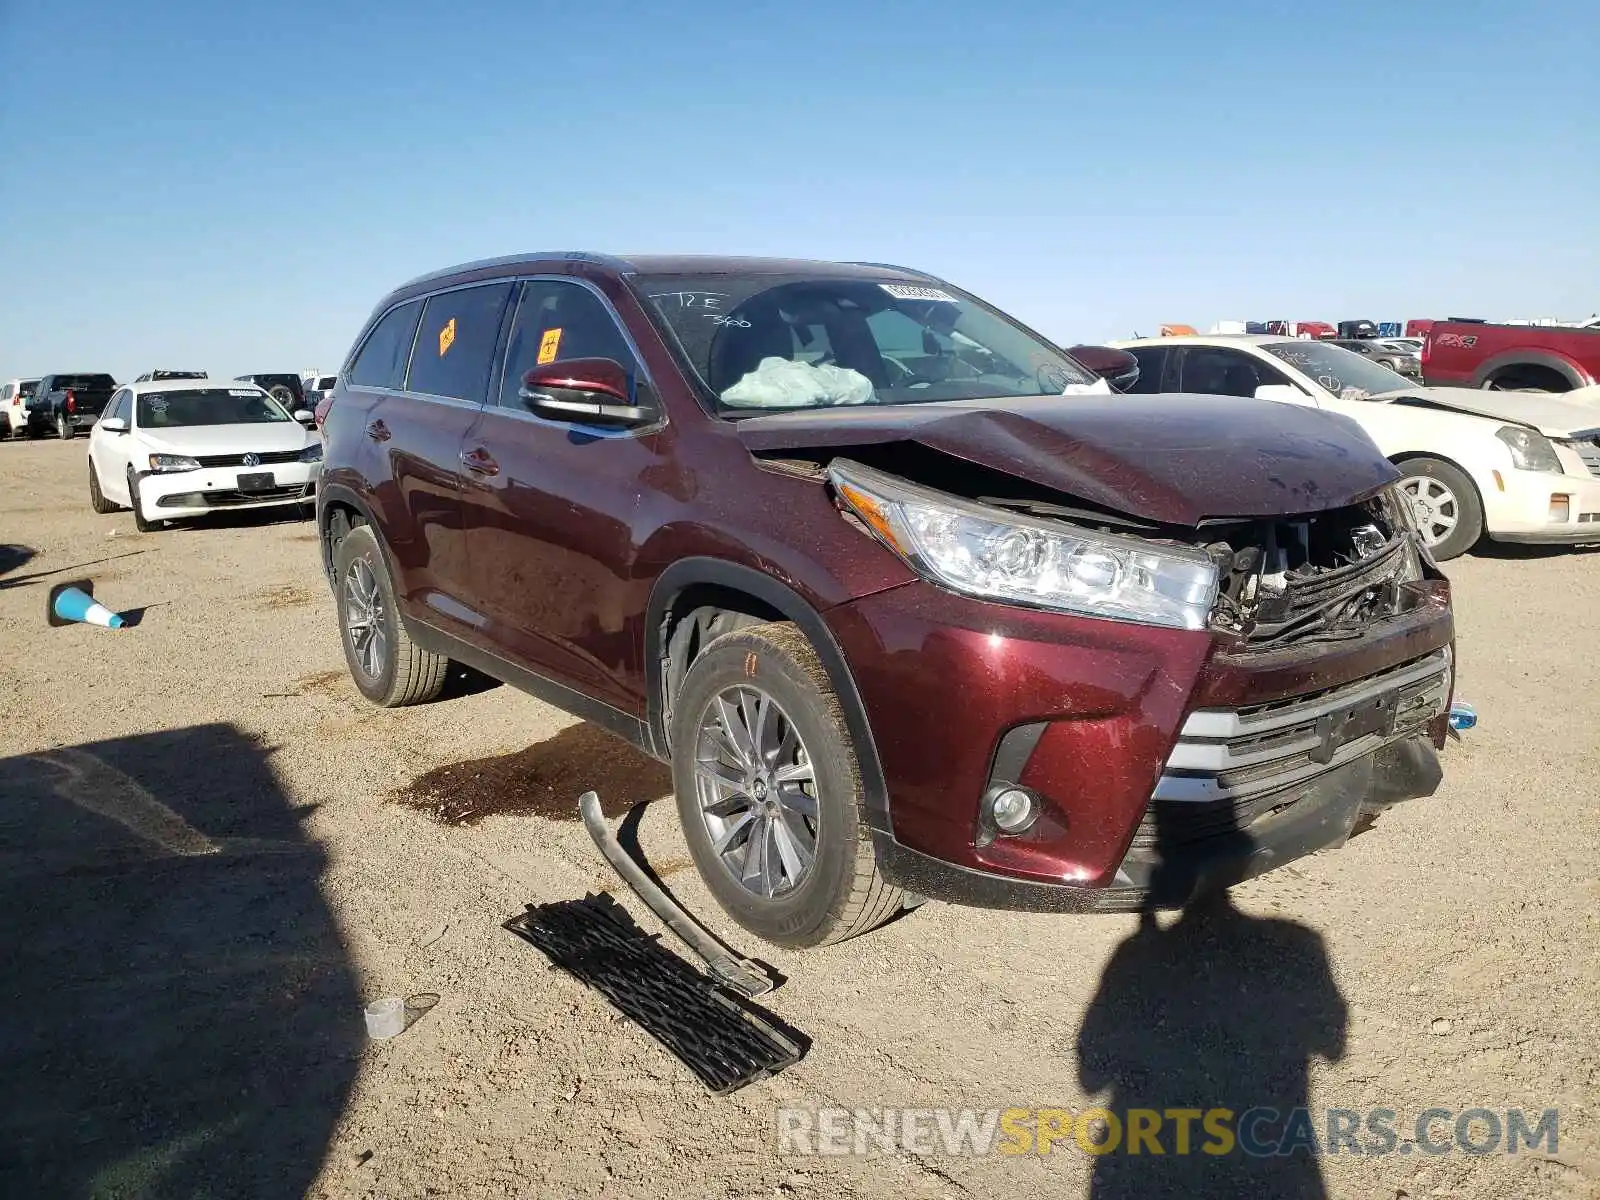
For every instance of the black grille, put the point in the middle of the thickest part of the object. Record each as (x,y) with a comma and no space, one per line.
(727,1044)
(225,497)
(237,460)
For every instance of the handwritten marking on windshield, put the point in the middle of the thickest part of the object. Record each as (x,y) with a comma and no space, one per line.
(696,300)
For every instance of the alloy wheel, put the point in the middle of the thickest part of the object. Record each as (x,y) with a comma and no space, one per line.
(363,618)
(757,791)
(1435,505)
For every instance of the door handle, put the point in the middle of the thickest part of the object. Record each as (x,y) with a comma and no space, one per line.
(378,431)
(479,461)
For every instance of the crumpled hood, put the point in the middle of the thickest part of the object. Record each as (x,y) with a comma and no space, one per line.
(1554,414)
(1172,459)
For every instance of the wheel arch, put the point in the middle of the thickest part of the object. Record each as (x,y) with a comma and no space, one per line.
(691,584)
(1405,456)
(1544,360)
(333,502)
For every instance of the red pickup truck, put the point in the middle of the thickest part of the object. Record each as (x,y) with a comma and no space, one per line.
(1544,358)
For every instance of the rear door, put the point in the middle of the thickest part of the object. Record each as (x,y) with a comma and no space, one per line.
(417,430)
(549,508)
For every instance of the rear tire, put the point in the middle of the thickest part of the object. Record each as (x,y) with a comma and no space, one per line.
(64,427)
(838,891)
(97,498)
(1451,514)
(388,668)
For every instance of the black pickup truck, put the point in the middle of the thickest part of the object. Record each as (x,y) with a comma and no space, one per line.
(68,402)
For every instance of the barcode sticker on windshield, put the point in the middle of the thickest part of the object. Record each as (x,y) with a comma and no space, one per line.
(241,392)
(906,291)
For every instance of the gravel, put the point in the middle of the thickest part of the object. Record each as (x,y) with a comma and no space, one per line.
(185,1020)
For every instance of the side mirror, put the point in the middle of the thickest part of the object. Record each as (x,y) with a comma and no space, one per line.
(1117,367)
(305,416)
(586,390)
(113,425)
(1282,392)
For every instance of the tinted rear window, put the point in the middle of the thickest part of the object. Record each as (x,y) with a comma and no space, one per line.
(86,383)
(27,387)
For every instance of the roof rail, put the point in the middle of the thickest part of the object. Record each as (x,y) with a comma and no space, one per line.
(506,260)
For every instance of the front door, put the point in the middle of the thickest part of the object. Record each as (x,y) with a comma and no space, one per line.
(1225,371)
(113,452)
(549,507)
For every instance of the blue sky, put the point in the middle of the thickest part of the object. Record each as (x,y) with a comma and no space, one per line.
(233,185)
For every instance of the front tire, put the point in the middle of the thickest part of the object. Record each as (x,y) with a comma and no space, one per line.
(1446,502)
(97,498)
(139,523)
(389,668)
(769,791)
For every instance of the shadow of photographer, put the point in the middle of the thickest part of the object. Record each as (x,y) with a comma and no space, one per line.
(181,1015)
(1214,1010)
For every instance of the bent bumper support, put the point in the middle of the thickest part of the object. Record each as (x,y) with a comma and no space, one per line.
(743,975)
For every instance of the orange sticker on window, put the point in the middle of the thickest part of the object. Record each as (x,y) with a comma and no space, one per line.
(549,345)
(447,336)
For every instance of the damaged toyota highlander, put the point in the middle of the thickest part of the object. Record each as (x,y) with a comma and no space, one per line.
(913,605)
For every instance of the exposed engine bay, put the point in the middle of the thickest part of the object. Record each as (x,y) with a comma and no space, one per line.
(1323,575)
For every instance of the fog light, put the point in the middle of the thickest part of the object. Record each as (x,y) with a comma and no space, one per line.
(1560,507)
(1013,810)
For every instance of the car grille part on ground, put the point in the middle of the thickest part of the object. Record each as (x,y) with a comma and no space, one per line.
(743,975)
(725,1042)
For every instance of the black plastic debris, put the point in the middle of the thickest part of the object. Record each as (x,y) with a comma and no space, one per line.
(727,1043)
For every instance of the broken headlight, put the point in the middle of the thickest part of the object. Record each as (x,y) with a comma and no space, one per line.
(1530,451)
(1014,559)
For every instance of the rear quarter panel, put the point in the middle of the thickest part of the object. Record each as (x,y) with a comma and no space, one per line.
(1466,354)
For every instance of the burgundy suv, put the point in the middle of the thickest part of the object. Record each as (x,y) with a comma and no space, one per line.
(911,601)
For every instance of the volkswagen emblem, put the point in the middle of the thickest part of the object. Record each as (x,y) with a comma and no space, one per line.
(252,460)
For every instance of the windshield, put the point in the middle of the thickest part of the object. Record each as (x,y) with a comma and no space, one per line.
(1343,372)
(765,342)
(211,406)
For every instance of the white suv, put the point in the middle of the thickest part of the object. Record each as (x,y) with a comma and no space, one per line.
(14,397)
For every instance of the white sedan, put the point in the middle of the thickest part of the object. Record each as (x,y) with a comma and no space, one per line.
(185,447)
(1516,466)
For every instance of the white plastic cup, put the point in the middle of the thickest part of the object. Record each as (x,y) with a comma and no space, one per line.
(386,1018)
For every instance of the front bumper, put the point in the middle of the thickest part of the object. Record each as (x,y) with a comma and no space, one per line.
(1316,816)
(213,489)
(1148,748)
(1538,506)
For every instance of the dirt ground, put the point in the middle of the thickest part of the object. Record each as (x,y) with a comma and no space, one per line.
(208,870)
